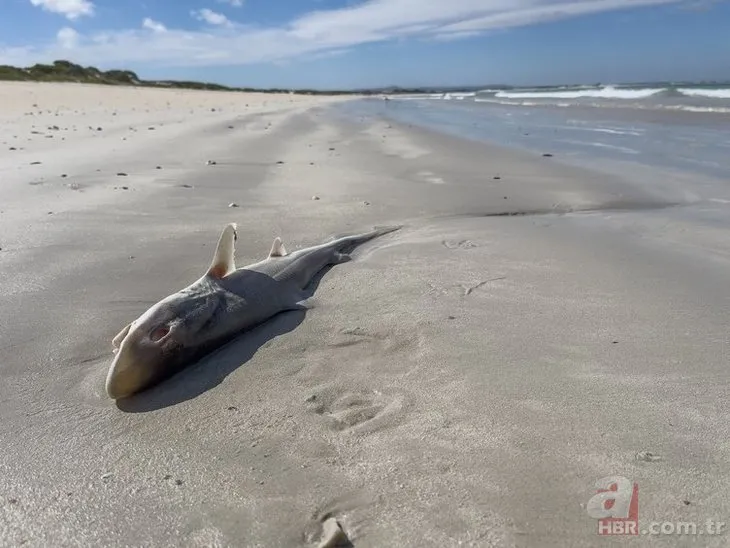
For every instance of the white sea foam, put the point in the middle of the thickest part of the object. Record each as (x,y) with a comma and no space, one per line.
(608,130)
(624,150)
(608,92)
(722,110)
(459,96)
(712,93)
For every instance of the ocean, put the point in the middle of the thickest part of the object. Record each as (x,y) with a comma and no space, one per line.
(686,97)
(685,128)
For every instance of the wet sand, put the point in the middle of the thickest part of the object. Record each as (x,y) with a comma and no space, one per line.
(465,381)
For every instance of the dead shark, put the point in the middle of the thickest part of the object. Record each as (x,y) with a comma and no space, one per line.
(223,303)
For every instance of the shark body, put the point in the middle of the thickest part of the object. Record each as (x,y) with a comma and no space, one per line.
(223,303)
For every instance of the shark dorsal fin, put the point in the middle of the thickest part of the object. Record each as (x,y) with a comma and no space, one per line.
(278,249)
(223,261)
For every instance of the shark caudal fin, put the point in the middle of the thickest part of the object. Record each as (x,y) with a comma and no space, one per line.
(358,239)
(278,249)
(223,261)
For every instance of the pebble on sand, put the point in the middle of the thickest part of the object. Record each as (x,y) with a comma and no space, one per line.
(211,163)
(315,197)
(121,174)
(547,155)
(233,204)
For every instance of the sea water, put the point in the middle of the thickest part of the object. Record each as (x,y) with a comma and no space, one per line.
(683,128)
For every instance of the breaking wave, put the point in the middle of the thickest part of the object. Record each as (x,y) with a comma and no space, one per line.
(608,92)
(702,92)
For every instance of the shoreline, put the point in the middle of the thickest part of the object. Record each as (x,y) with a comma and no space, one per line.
(465,380)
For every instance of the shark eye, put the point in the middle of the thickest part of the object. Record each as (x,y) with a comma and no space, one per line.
(159,332)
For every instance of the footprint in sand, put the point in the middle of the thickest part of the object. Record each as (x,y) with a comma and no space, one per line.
(351,336)
(459,244)
(358,412)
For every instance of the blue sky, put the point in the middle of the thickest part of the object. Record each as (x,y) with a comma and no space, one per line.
(362,43)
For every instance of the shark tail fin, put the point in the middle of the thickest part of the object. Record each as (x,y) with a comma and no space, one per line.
(224,262)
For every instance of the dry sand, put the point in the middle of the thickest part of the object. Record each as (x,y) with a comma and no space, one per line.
(463,382)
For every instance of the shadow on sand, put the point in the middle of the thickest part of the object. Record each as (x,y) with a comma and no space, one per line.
(212,369)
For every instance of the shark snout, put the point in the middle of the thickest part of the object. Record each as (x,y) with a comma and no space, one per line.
(136,365)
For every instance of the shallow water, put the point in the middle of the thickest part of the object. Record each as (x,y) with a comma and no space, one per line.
(693,143)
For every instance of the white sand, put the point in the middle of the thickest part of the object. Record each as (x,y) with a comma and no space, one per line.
(463,382)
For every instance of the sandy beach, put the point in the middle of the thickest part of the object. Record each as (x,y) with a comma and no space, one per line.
(465,381)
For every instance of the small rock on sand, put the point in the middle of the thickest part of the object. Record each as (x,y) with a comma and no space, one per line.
(233,204)
(547,155)
(211,163)
(121,174)
(315,197)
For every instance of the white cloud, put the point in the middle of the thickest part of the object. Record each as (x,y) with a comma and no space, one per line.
(211,17)
(317,32)
(72,9)
(154,26)
(67,37)
(234,3)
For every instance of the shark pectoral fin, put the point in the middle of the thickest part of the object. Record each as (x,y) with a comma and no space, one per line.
(341,258)
(117,341)
(277,249)
(223,261)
